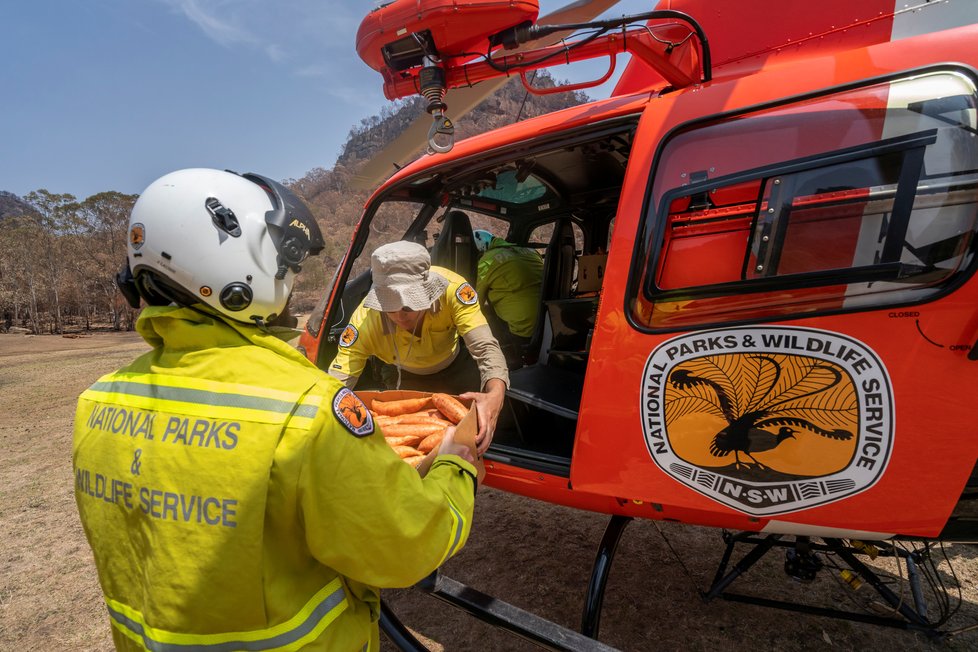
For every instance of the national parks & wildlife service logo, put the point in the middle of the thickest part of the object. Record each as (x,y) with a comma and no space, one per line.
(349,336)
(768,420)
(352,413)
(466,294)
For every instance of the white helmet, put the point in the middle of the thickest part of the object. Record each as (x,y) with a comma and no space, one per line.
(233,242)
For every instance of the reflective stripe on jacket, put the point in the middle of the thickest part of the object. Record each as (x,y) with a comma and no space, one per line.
(233,500)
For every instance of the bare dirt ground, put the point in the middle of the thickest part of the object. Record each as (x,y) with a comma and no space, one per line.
(534,555)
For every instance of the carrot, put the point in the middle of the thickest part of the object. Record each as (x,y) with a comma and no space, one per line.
(405,451)
(404,406)
(429,412)
(450,406)
(414,460)
(403,441)
(431,442)
(419,430)
(423,418)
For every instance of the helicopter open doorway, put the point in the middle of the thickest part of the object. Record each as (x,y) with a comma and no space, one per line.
(557,196)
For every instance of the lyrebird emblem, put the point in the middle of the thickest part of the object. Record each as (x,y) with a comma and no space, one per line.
(804,396)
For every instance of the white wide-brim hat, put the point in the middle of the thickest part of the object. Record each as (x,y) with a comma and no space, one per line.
(402,278)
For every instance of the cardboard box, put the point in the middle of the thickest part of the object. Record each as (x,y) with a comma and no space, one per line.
(590,272)
(465,431)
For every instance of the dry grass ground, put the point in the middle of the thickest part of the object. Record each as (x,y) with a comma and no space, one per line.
(534,555)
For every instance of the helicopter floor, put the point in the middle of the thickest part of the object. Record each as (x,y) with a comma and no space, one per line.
(530,437)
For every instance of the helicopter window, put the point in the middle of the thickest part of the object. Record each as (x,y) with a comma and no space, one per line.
(513,187)
(817,227)
(541,236)
(388,224)
(885,220)
(493,225)
(488,223)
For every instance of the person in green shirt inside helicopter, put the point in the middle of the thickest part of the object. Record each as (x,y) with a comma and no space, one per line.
(508,282)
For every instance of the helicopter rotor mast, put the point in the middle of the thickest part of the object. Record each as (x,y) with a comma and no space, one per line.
(438,51)
(677,63)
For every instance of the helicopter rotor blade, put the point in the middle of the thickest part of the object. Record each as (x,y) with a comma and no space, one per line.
(462,100)
(576,12)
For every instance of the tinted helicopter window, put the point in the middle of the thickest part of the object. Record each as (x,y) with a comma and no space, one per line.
(509,189)
(389,223)
(493,225)
(541,236)
(849,201)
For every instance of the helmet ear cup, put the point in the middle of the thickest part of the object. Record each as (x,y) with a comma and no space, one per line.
(236,296)
(293,251)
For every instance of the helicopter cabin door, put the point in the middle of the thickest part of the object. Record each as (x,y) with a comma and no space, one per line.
(795,346)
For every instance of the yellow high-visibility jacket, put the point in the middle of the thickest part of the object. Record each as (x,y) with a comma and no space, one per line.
(509,278)
(236,497)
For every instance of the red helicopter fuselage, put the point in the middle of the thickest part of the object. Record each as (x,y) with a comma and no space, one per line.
(780,336)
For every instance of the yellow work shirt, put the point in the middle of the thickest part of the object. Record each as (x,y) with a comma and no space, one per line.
(236,497)
(432,349)
(509,278)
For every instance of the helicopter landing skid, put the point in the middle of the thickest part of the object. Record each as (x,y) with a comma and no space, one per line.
(539,631)
(913,617)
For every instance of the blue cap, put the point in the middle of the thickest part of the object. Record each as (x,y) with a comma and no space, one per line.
(482,239)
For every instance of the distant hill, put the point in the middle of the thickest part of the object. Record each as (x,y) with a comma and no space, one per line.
(338,206)
(11,205)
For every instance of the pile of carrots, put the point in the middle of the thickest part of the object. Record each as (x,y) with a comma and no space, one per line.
(414,427)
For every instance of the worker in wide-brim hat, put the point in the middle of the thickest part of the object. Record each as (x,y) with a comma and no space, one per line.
(412,320)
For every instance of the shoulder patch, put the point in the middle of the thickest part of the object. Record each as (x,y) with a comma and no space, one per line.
(466,294)
(349,335)
(352,413)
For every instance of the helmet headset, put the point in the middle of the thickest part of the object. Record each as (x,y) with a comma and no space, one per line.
(238,249)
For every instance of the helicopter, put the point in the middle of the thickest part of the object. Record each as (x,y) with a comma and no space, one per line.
(757,302)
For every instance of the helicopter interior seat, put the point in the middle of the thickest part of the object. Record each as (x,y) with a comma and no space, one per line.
(455,247)
(558,278)
(548,384)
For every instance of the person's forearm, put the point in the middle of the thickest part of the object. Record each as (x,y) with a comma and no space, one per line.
(487,355)
(495,387)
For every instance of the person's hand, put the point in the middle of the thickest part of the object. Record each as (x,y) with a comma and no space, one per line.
(488,405)
(450,447)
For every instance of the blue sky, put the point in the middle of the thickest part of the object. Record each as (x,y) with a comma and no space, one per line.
(110,94)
